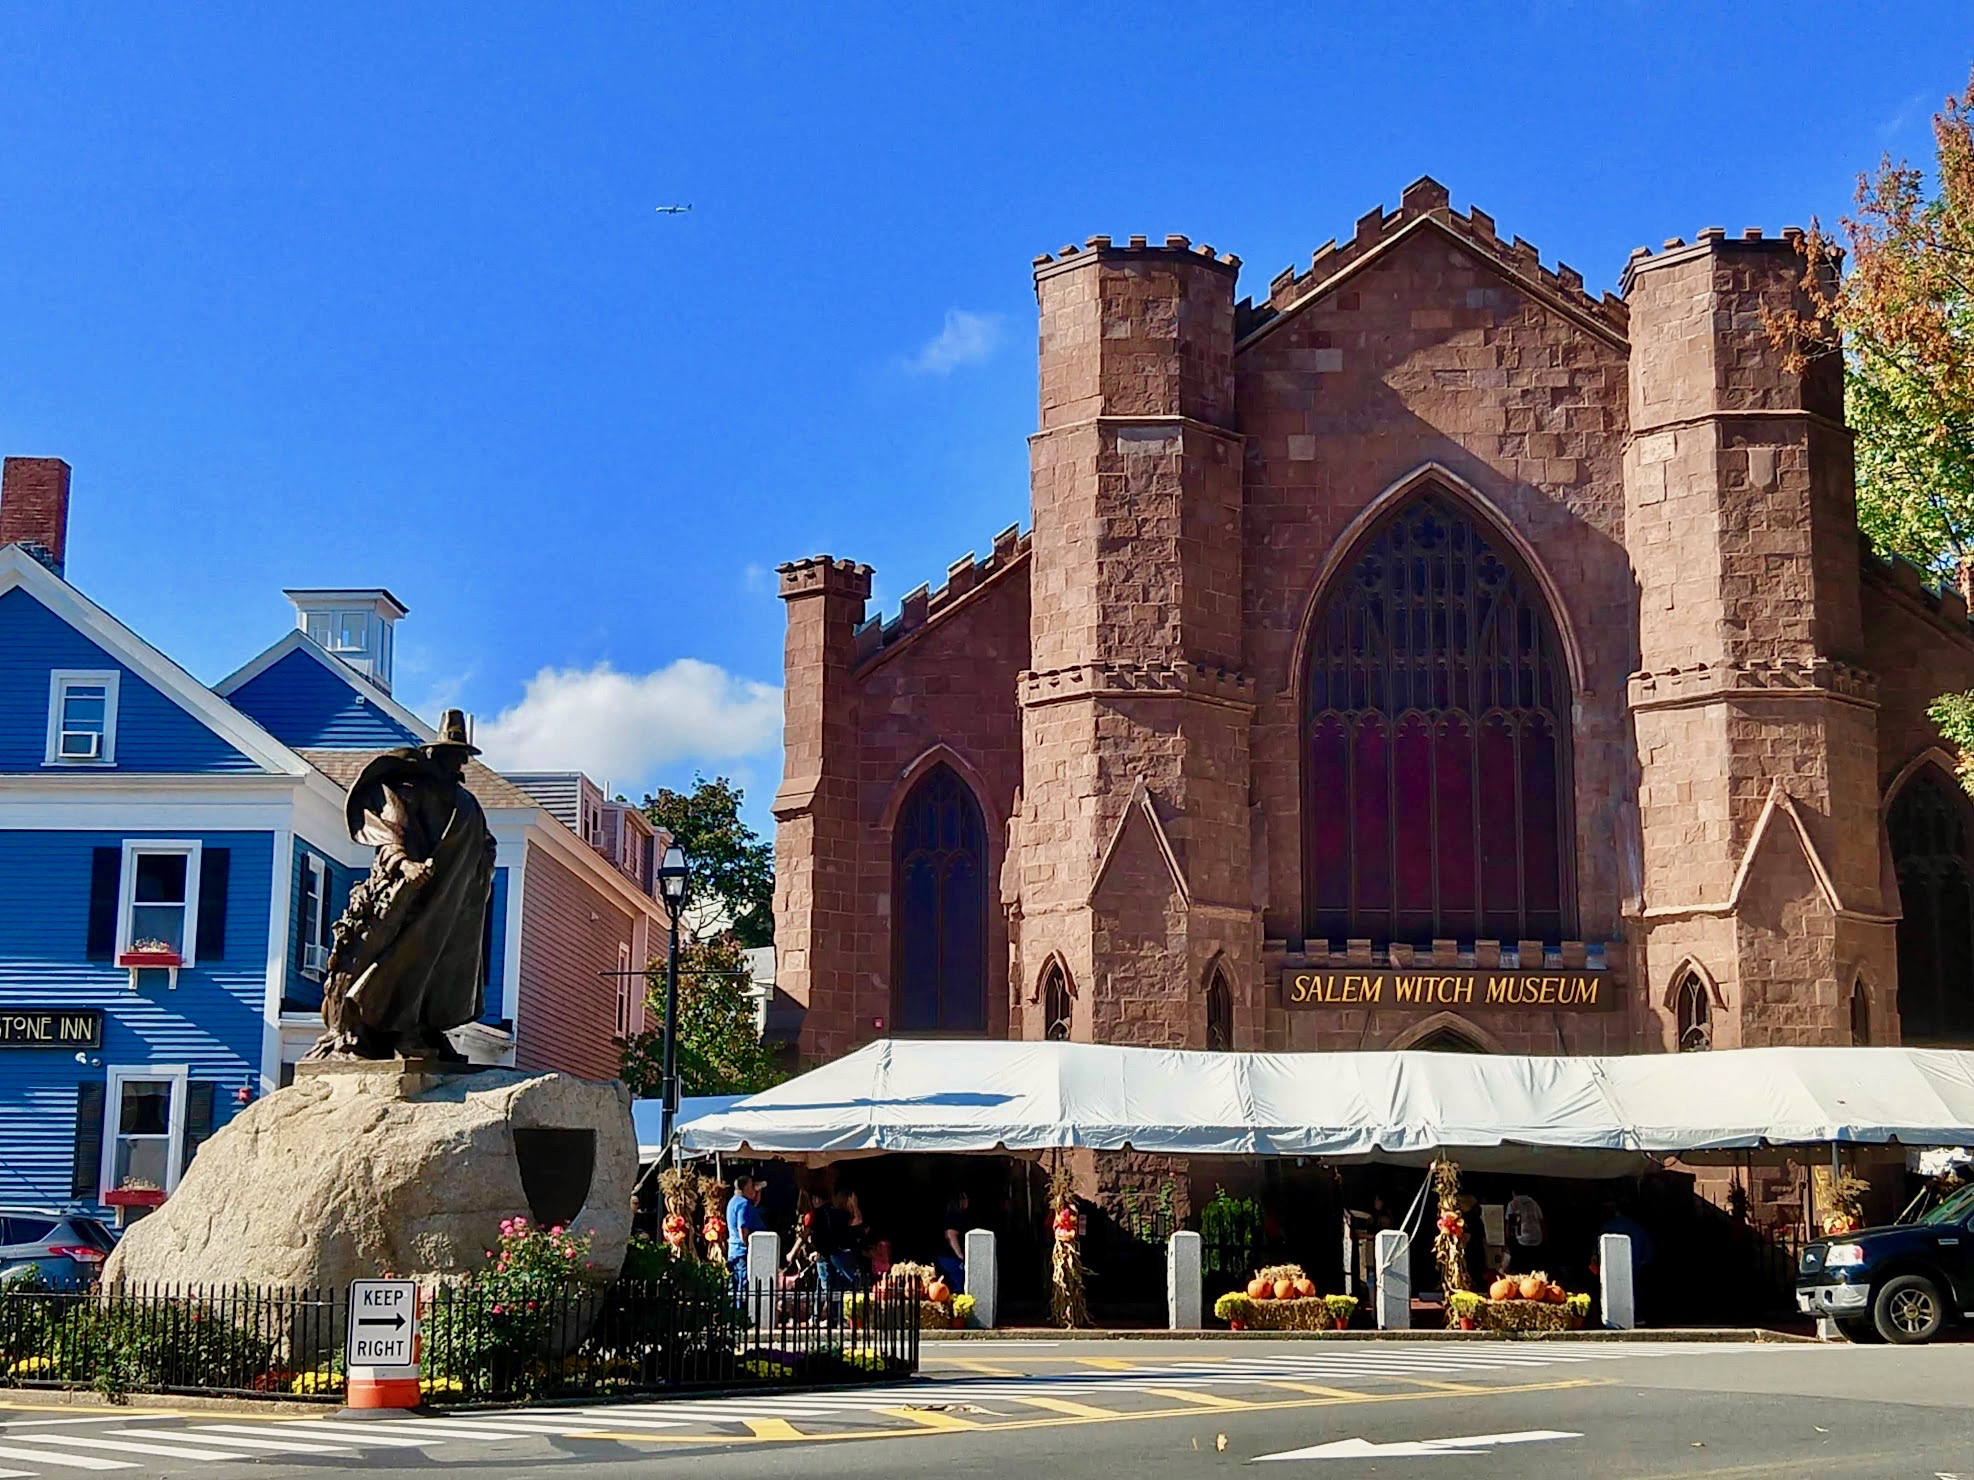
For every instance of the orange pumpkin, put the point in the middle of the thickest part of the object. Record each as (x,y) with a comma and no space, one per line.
(1534,1289)
(1304,1288)
(1504,1288)
(1260,1289)
(1285,1289)
(938,1292)
(1557,1294)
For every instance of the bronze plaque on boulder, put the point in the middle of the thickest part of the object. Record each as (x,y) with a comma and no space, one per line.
(1436,989)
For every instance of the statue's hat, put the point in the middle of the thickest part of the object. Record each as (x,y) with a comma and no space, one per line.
(452,734)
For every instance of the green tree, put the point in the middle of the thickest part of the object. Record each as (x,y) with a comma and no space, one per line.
(1904,316)
(733,867)
(720,1051)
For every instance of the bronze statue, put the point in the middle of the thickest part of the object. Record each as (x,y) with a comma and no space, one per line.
(406,963)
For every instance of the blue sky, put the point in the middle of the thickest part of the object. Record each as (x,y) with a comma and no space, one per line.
(362,294)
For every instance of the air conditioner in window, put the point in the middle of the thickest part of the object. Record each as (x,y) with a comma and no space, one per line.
(315,959)
(81,745)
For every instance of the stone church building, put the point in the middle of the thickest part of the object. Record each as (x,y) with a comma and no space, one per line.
(1428,653)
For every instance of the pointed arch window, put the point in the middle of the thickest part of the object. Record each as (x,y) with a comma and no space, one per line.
(1219,1013)
(939,879)
(1694,1012)
(1056,1004)
(1446,1040)
(1436,743)
(1860,1015)
(1927,827)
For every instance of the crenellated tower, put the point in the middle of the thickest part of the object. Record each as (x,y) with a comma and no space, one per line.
(1754,721)
(1132,847)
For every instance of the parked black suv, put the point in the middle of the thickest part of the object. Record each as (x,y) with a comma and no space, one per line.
(1901,1283)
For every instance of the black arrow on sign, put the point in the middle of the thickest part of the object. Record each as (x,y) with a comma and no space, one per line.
(396,1320)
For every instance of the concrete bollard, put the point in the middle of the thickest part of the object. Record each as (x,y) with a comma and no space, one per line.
(983,1275)
(763,1265)
(1615,1291)
(1183,1285)
(1394,1266)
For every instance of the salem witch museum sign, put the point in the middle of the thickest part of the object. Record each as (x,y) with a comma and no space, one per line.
(1557,991)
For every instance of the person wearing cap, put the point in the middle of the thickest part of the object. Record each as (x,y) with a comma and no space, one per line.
(406,963)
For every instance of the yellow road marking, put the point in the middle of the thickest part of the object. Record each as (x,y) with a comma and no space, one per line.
(932,1419)
(1201,1400)
(1313,1387)
(985,1368)
(1107,1364)
(1444,1387)
(773,1428)
(1063,1405)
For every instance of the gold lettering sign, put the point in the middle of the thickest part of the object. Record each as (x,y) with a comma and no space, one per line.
(1434,990)
(50,1027)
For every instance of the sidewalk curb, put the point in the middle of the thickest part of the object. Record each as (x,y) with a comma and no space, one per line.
(1743,1334)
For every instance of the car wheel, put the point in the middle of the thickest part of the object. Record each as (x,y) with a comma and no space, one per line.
(1908,1309)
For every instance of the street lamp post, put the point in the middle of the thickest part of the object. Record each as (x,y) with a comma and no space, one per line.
(673,874)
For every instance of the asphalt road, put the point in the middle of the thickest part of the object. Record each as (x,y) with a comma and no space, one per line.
(1139,1411)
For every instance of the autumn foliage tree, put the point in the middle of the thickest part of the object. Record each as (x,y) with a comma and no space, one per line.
(1904,318)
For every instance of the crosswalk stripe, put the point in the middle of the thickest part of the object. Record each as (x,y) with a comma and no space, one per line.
(275,1446)
(584,1423)
(355,1432)
(471,1428)
(132,1446)
(16,1475)
(73,1461)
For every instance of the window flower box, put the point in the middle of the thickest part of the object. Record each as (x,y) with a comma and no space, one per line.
(135,1197)
(150,958)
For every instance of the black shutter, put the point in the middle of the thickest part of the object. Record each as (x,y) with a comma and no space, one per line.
(86,1183)
(215,866)
(198,1120)
(105,876)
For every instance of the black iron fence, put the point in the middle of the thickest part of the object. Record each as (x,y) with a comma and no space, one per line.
(476,1344)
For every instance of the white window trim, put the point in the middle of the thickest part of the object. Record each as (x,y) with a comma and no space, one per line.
(59,680)
(178,1075)
(314,866)
(127,890)
(623,1019)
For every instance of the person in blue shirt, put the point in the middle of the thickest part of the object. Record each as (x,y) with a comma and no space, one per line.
(743,1217)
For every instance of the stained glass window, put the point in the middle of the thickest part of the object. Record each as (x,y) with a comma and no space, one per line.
(1436,742)
(939,873)
(1055,1004)
(1927,826)
(1694,1013)
(1219,1013)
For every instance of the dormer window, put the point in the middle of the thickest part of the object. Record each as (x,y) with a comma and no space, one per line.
(82,717)
(355,625)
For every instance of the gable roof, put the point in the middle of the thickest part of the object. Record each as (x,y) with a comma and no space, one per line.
(298,641)
(20,570)
(1425,206)
(489,787)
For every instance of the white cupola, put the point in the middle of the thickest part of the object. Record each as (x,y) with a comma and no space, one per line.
(355,625)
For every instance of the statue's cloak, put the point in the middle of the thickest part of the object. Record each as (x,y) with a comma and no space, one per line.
(418,965)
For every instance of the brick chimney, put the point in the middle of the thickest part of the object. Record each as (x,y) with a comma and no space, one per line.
(34,507)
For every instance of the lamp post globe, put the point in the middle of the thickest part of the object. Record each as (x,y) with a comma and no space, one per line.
(674,874)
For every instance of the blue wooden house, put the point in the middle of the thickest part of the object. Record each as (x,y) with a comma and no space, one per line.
(172,857)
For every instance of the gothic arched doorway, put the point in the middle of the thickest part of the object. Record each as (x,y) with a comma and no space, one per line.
(1928,829)
(1436,742)
(939,889)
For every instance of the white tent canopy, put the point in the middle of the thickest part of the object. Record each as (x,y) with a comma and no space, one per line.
(1599,1114)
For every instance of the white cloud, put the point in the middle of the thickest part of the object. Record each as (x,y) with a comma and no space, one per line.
(966,339)
(623,727)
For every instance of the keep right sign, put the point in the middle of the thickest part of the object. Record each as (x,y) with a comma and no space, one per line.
(383,1327)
